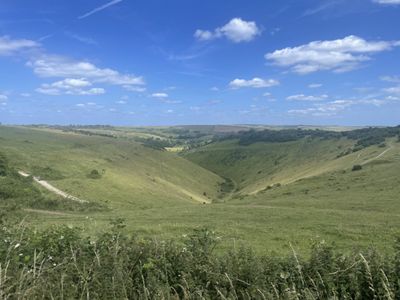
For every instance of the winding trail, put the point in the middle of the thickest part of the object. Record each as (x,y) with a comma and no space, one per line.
(52,188)
(378,156)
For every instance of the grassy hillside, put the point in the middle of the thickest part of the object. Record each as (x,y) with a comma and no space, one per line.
(255,166)
(160,194)
(132,175)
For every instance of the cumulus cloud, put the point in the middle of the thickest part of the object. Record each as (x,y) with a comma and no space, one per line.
(253,83)
(3,98)
(339,55)
(236,30)
(9,46)
(70,86)
(56,66)
(302,97)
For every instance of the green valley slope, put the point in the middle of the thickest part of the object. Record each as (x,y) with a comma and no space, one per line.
(283,192)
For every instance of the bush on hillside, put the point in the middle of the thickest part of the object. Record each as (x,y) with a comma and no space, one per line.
(356,168)
(94,174)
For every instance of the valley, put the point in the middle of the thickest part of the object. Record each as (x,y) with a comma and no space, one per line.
(265,194)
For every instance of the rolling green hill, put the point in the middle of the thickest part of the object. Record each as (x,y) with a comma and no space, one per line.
(266,194)
(132,175)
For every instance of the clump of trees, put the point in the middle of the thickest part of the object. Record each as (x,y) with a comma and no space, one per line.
(60,263)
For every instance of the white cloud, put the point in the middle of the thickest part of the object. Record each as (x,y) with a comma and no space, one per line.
(395,79)
(69,83)
(253,83)
(100,8)
(55,66)
(9,46)
(393,90)
(159,95)
(315,85)
(336,55)
(236,30)
(302,97)
(332,108)
(25,95)
(3,97)
(390,2)
(121,102)
(204,35)
(70,86)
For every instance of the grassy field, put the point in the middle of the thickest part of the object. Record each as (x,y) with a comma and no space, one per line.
(281,193)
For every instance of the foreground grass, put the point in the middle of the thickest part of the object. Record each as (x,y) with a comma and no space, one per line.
(60,264)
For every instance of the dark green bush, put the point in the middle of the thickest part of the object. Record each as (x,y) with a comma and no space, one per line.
(94,174)
(356,168)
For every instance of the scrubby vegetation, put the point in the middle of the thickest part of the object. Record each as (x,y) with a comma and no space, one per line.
(94,174)
(356,168)
(59,263)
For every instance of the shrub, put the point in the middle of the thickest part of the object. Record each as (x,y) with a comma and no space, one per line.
(356,168)
(94,174)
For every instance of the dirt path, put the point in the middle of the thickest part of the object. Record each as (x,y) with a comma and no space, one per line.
(53,189)
(378,156)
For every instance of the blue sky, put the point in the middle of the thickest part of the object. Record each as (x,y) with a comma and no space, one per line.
(121,62)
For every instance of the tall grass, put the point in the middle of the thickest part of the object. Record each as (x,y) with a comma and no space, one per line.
(60,263)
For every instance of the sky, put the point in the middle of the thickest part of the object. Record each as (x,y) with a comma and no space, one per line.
(157,62)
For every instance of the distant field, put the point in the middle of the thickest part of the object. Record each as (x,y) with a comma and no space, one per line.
(266,195)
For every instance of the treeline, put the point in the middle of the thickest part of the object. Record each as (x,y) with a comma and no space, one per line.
(364,137)
(155,143)
(89,133)
(59,263)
